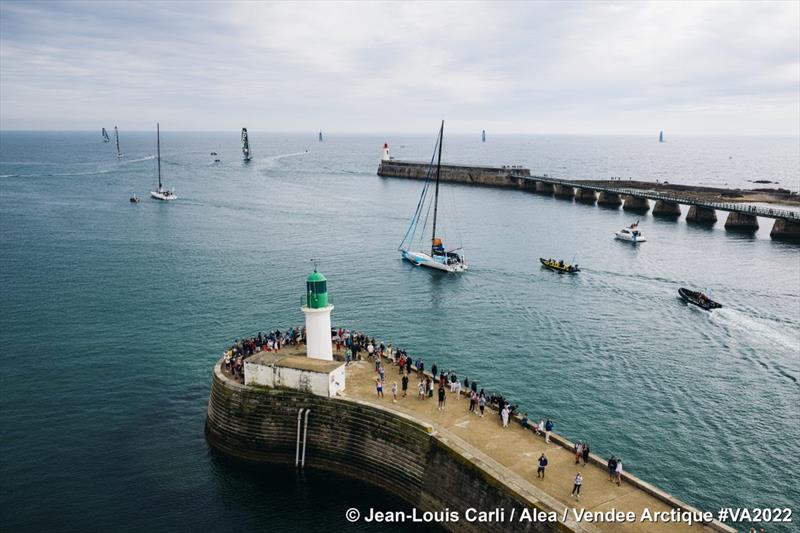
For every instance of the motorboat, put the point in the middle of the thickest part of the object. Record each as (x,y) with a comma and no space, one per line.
(559,266)
(135,199)
(631,234)
(699,299)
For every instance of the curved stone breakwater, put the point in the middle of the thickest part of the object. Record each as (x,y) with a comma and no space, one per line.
(434,460)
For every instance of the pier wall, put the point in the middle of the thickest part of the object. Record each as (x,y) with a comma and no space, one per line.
(505,177)
(355,439)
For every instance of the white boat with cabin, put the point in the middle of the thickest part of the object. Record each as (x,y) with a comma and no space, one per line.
(630,234)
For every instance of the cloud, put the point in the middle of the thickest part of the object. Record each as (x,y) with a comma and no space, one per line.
(572,67)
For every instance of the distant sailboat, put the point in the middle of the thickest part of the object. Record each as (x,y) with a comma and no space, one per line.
(116,136)
(438,258)
(320,136)
(161,193)
(105,136)
(661,136)
(483,135)
(246,146)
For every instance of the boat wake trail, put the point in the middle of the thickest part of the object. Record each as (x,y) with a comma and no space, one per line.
(750,326)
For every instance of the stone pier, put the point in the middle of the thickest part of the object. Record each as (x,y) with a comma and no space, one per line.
(785,230)
(701,215)
(544,187)
(741,222)
(586,196)
(564,191)
(666,209)
(637,204)
(450,459)
(609,199)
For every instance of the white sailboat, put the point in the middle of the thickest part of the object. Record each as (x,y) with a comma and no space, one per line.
(438,258)
(162,193)
(104,133)
(246,146)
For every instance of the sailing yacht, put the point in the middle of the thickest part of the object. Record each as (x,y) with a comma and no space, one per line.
(105,136)
(162,193)
(439,257)
(246,146)
(116,136)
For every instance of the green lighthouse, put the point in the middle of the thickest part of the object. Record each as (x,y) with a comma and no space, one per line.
(316,291)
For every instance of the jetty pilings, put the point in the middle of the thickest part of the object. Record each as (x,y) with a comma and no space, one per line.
(785,230)
(564,191)
(636,204)
(666,209)
(609,199)
(543,187)
(701,215)
(741,222)
(586,196)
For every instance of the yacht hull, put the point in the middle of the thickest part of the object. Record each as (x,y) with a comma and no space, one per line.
(163,197)
(425,260)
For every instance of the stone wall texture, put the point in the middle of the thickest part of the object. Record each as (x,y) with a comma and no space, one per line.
(511,178)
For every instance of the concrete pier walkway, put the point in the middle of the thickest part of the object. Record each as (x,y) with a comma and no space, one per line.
(516,450)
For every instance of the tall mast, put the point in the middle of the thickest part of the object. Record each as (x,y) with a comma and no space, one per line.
(158,150)
(436,194)
(116,135)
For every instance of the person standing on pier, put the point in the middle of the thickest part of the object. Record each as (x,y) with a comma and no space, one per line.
(394,392)
(504,415)
(405,385)
(576,488)
(548,427)
(441,398)
(542,466)
(471,402)
(612,468)
(433,370)
(578,452)
(585,453)
(482,404)
(618,472)
(379,387)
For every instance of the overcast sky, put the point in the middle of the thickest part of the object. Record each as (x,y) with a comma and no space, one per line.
(563,67)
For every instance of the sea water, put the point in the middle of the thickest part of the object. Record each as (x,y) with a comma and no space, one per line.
(114,313)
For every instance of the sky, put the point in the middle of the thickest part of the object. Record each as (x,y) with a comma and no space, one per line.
(365,67)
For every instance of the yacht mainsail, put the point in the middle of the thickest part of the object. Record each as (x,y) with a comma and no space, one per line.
(105,136)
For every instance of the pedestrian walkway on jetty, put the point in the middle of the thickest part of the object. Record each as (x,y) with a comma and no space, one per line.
(517,450)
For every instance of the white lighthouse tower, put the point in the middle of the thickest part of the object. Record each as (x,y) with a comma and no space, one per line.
(385,152)
(318,318)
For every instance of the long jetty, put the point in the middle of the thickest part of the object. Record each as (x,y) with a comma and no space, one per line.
(436,460)
(742,216)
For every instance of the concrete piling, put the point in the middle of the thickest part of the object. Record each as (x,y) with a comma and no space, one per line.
(701,215)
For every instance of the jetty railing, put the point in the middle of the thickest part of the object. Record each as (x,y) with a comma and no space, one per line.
(749,209)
